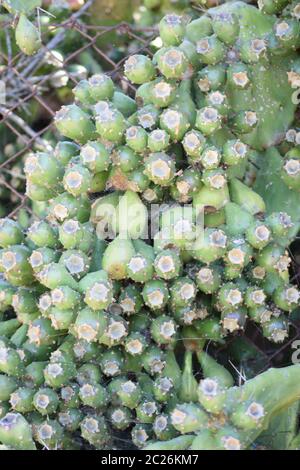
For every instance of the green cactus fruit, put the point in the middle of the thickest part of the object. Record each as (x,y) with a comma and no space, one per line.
(290,172)
(34,374)
(16,432)
(112,362)
(141,434)
(199,28)
(27,36)
(162,92)
(211,369)
(286,298)
(45,401)
(167,264)
(8,386)
(186,185)
(65,150)
(24,300)
(136,138)
(90,325)
(210,329)
(188,418)
(172,63)
(54,274)
(140,267)
(70,419)
(77,180)
(238,75)
(120,417)
(193,144)
(211,77)
(254,297)
(110,123)
(226,27)
(67,206)
(214,179)
(272,6)
(208,279)
(93,395)
(246,197)
(163,330)
(123,103)
(182,292)
(126,159)
(155,294)
(135,344)
(210,245)
(10,233)
(65,298)
(234,151)
(97,290)
(244,121)
(41,257)
(171,30)
(82,92)
(158,140)
(101,87)
(139,69)
(131,216)
(153,360)
(211,395)
(14,262)
(43,234)
(130,300)
(163,428)
(129,393)
(147,411)
(38,193)
(88,373)
(61,319)
(116,257)
(234,319)
(163,388)
(95,157)
(208,120)
(85,351)
(115,332)
(94,429)
(276,329)
(76,262)
(42,168)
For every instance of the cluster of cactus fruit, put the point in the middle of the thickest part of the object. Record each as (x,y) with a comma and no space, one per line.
(107,302)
